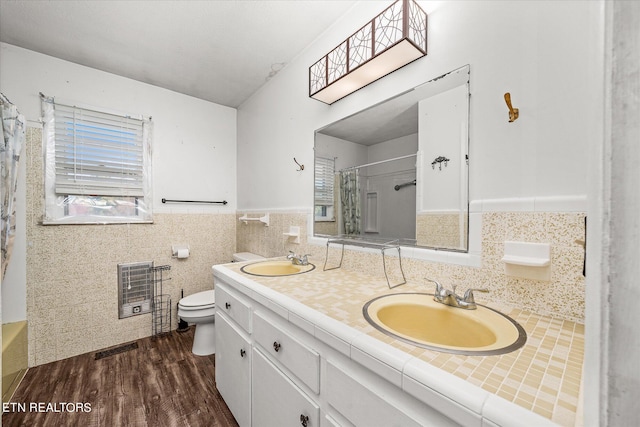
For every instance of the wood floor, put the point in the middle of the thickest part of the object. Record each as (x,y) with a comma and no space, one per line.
(161,383)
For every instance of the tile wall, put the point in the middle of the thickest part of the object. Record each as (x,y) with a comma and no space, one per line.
(561,297)
(72,288)
(441,229)
(270,240)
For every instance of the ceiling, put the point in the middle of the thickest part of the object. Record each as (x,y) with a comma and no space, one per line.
(389,120)
(219,51)
(395,117)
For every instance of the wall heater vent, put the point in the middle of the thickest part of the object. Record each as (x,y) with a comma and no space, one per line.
(135,288)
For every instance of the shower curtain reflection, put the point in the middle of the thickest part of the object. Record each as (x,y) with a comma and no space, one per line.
(350,201)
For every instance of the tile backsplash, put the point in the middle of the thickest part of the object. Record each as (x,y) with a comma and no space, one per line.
(560,297)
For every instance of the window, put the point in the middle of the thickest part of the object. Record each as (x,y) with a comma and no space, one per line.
(324,197)
(97,166)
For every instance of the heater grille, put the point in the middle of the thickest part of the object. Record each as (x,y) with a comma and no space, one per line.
(135,288)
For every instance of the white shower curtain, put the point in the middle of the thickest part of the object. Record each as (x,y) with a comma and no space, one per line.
(13,131)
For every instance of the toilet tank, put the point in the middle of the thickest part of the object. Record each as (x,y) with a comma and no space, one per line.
(246,256)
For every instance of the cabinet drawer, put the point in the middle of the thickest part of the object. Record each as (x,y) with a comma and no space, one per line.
(302,361)
(277,401)
(360,405)
(233,306)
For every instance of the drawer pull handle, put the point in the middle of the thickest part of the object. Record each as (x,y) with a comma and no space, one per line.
(276,346)
(304,420)
(242,352)
(227,305)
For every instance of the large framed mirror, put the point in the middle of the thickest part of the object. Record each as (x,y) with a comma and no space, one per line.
(399,170)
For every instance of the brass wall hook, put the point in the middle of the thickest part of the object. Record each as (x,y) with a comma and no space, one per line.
(301,166)
(513,112)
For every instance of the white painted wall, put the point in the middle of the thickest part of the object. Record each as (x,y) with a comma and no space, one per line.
(385,150)
(194,140)
(396,210)
(547,54)
(194,145)
(346,153)
(444,126)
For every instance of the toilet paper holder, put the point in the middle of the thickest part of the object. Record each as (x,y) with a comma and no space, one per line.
(180,251)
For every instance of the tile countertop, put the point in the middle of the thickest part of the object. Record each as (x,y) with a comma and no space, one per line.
(543,377)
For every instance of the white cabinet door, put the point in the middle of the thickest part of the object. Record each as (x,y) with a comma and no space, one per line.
(277,401)
(233,369)
(362,405)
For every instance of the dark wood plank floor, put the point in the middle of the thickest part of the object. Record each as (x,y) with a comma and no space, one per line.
(161,383)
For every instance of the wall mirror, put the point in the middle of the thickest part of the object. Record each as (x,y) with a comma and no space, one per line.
(399,169)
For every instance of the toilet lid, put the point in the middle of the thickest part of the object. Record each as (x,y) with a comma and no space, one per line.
(199,299)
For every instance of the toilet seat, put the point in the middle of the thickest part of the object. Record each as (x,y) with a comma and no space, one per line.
(198,301)
(199,309)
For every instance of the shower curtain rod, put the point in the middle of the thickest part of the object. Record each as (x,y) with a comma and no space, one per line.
(378,163)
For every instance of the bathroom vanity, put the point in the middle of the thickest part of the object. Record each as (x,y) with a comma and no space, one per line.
(296,351)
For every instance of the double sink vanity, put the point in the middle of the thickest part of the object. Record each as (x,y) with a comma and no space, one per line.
(299,346)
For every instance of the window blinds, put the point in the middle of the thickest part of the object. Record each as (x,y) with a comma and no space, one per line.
(97,153)
(324,181)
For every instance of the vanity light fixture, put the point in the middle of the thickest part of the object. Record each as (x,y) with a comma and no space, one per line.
(391,40)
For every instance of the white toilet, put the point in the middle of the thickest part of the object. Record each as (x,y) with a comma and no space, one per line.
(199,309)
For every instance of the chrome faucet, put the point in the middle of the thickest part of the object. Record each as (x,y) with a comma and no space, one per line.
(298,260)
(450,298)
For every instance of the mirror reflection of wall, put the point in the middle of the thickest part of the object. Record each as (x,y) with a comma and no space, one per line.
(325,197)
(365,199)
(442,215)
(381,215)
(340,154)
(381,159)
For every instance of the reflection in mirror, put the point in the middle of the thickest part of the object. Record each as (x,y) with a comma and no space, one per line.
(442,215)
(398,170)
